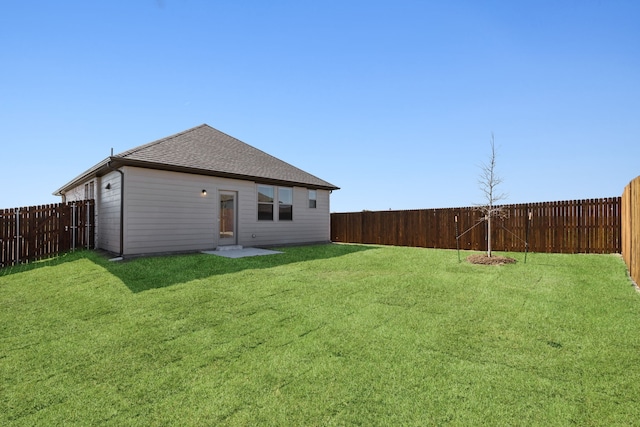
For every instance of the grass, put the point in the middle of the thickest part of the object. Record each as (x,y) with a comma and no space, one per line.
(320,335)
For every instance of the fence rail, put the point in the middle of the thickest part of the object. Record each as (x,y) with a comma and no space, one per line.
(577,226)
(37,232)
(631,228)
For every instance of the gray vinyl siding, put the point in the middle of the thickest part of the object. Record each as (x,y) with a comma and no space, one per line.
(308,224)
(166,212)
(108,213)
(75,194)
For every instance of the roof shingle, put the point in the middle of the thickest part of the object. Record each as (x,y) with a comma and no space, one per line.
(208,151)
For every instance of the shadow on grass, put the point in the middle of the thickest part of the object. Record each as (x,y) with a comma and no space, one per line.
(142,274)
(49,262)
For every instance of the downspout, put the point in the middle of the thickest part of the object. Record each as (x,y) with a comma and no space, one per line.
(121,207)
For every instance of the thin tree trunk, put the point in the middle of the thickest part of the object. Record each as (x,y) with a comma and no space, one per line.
(488,181)
(489,236)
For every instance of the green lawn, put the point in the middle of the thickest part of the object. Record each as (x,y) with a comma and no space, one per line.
(320,335)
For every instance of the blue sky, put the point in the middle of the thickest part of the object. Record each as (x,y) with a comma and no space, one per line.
(393,101)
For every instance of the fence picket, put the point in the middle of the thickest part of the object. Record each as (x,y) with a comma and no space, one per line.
(576,226)
(630,218)
(37,232)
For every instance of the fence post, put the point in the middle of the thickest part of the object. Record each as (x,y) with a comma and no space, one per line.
(455,218)
(17,236)
(86,224)
(73,226)
(42,231)
(526,234)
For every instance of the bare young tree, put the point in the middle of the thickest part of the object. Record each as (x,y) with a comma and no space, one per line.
(488,181)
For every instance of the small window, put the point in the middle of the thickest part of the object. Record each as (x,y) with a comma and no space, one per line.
(265,203)
(285,204)
(89,192)
(312,199)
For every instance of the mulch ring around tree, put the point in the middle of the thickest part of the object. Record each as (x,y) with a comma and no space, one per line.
(493,260)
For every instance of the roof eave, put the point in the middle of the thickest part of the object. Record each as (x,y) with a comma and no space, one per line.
(95,171)
(114,162)
(117,162)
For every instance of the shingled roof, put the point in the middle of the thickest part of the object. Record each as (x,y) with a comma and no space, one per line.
(204,150)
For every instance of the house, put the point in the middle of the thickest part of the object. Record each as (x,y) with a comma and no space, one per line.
(198,190)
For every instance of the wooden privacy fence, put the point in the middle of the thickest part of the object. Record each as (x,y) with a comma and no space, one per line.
(37,232)
(631,228)
(577,226)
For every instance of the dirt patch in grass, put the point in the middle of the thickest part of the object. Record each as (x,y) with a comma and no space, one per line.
(493,260)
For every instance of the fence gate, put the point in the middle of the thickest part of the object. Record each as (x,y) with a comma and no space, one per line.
(37,232)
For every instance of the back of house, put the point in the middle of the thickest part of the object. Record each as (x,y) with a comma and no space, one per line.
(201,189)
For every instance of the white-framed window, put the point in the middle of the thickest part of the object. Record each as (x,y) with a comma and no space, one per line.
(313,199)
(265,202)
(285,204)
(89,191)
(269,197)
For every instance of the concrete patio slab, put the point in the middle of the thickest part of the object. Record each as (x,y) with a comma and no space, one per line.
(241,253)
